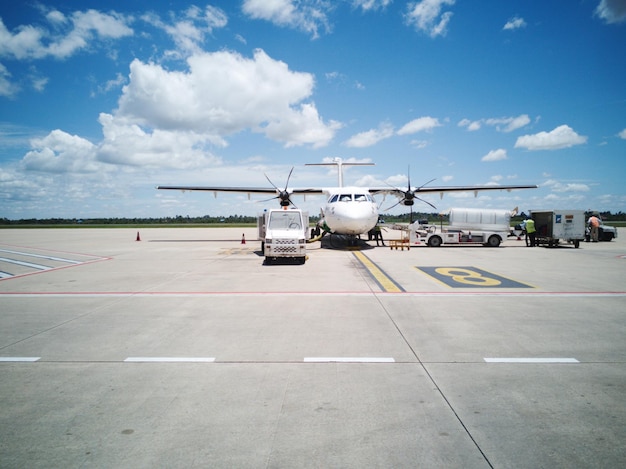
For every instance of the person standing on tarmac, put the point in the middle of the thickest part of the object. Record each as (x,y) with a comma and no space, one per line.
(594,224)
(378,234)
(531,231)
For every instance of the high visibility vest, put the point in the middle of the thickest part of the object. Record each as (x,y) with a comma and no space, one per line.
(530,226)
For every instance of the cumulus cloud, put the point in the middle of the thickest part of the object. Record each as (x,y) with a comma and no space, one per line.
(427,16)
(514,23)
(622,134)
(611,11)
(495,155)
(60,152)
(419,125)
(561,137)
(502,124)
(305,15)
(64,36)
(189,30)
(370,137)
(129,144)
(223,93)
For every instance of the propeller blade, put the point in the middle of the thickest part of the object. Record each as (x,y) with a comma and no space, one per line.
(283,195)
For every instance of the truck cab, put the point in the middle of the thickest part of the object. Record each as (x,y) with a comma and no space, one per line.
(283,234)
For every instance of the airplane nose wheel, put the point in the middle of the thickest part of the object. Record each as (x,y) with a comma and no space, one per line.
(342,241)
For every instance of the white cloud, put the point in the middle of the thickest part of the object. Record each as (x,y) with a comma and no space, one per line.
(189,31)
(7,88)
(65,37)
(612,11)
(495,155)
(223,93)
(510,123)
(515,23)
(419,125)
(368,5)
(561,137)
(557,186)
(60,152)
(305,15)
(472,126)
(370,137)
(427,16)
(129,144)
(622,134)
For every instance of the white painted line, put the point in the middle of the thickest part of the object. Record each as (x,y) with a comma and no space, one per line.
(170,359)
(531,360)
(19,359)
(52,258)
(25,264)
(349,359)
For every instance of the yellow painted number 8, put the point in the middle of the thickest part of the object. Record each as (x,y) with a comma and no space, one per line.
(467,276)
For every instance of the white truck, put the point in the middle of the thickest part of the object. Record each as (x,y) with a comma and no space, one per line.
(467,226)
(283,233)
(555,225)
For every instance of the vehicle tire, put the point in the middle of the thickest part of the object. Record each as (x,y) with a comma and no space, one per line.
(493,241)
(434,241)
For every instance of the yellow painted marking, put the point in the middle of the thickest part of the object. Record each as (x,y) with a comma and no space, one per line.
(386,283)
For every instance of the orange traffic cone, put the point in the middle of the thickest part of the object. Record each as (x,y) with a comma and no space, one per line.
(243,238)
(138,237)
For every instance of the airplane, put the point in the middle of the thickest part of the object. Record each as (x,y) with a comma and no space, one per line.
(349,210)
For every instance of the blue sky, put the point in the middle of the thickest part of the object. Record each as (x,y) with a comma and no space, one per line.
(102,101)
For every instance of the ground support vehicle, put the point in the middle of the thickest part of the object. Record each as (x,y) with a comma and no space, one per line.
(282,233)
(555,225)
(467,226)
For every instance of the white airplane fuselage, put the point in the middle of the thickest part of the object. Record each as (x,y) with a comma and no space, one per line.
(350,211)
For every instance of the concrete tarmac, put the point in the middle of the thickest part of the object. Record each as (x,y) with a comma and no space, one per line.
(184,349)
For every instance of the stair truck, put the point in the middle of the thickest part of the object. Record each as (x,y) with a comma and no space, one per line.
(488,227)
(283,233)
(555,225)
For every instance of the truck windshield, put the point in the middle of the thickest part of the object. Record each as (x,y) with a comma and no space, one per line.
(284,220)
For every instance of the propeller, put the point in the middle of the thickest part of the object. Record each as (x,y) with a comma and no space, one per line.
(408,196)
(283,195)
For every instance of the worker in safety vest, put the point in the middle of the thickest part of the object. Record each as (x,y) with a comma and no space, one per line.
(531,231)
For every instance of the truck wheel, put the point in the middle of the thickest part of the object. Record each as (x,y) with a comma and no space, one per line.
(434,242)
(493,241)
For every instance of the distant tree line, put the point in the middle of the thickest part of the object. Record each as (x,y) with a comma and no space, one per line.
(245,219)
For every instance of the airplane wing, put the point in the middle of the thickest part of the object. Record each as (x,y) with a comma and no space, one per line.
(245,190)
(407,197)
(442,189)
(283,195)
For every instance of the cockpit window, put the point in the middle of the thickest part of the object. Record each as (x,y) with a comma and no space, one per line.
(360,197)
(334,198)
(345,198)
